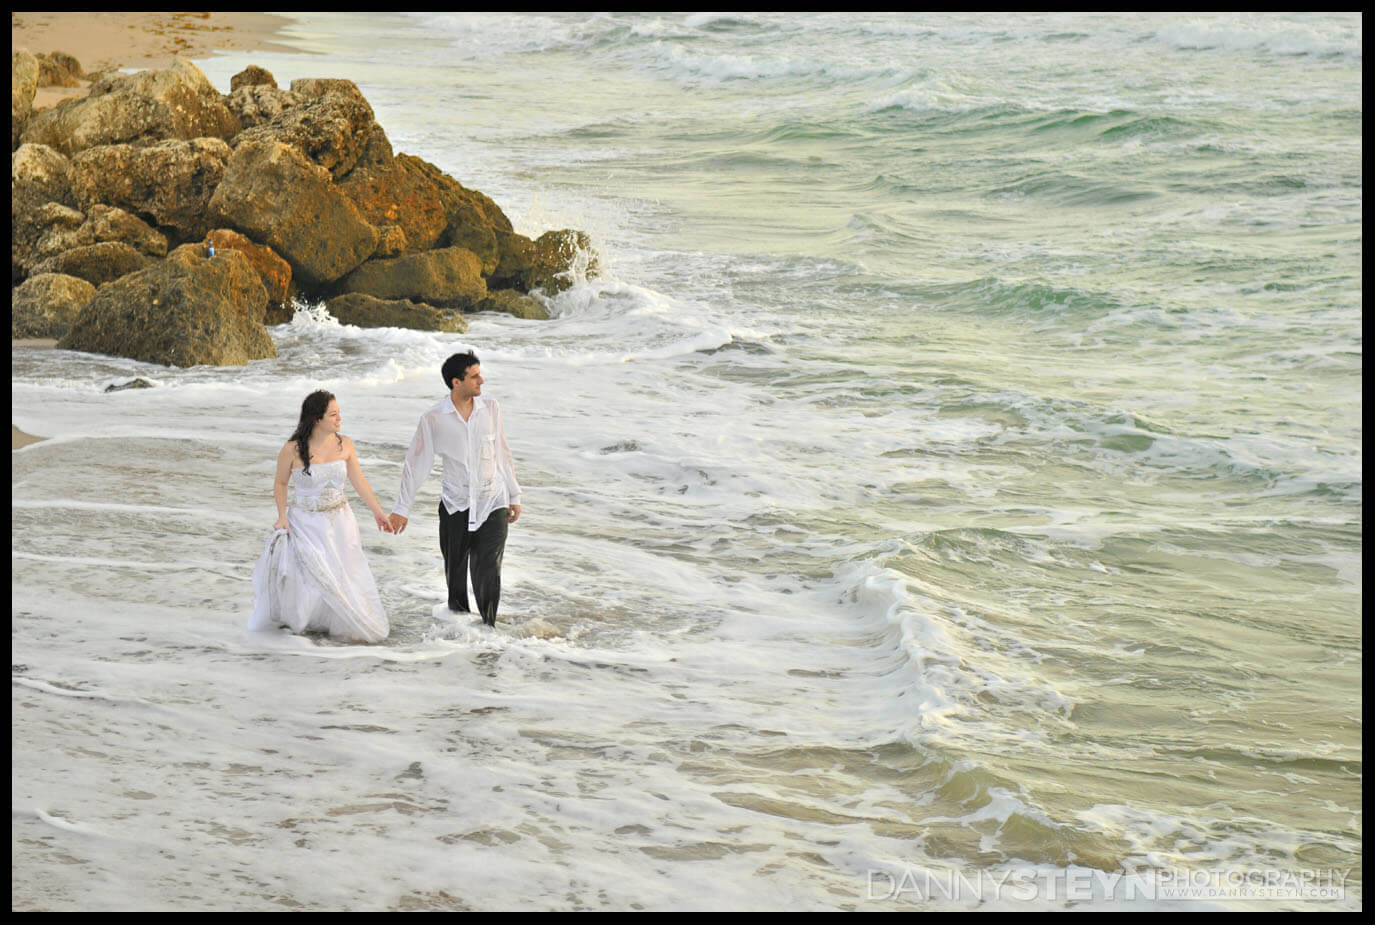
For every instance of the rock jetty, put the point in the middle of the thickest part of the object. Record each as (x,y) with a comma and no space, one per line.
(119,199)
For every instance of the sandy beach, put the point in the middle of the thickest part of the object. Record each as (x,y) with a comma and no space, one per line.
(101,41)
(104,41)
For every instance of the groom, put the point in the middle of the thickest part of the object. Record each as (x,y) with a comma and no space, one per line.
(479,496)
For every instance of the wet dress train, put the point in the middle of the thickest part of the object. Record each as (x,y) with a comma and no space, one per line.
(314,578)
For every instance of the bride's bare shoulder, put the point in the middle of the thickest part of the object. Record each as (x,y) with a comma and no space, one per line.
(288,458)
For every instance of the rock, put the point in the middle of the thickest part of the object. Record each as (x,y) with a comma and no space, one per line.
(139,383)
(307,192)
(252,76)
(68,229)
(172,103)
(182,311)
(46,305)
(322,86)
(516,264)
(474,222)
(96,263)
(433,209)
(23,86)
(563,258)
(279,314)
(364,311)
(108,223)
(38,175)
(271,269)
(62,230)
(275,195)
(551,264)
(401,192)
(391,241)
(169,183)
(55,214)
(58,69)
(377,151)
(513,303)
(471,220)
(468,227)
(331,124)
(260,104)
(450,277)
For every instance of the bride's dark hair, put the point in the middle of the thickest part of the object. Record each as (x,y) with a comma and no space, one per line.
(312,410)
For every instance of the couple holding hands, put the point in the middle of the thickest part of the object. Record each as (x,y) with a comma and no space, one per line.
(312,576)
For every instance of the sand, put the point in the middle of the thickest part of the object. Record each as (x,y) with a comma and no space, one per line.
(102,41)
(17,437)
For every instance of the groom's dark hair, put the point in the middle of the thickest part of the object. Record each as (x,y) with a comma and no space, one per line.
(456,367)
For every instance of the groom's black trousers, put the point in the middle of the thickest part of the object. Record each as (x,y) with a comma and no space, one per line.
(481,550)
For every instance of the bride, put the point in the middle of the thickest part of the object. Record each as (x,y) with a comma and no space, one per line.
(312,576)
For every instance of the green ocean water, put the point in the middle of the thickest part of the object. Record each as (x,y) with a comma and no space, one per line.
(1085,292)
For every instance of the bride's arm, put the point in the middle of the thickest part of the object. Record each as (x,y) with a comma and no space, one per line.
(360,485)
(279,483)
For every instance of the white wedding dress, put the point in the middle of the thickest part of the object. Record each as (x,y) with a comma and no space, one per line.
(314,578)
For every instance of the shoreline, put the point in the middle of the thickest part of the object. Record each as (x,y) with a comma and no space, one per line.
(110,41)
(106,40)
(19,438)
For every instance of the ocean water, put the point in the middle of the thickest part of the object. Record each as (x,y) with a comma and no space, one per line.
(955,474)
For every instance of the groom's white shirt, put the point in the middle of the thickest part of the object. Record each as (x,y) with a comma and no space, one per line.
(479,475)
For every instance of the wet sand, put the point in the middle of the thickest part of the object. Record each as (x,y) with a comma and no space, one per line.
(17,437)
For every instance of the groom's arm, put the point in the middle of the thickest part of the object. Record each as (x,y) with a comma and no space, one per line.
(414,470)
(507,466)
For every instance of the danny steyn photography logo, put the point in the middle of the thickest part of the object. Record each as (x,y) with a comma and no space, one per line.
(1037,884)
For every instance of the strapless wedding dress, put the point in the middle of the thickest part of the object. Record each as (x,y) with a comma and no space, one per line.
(313,578)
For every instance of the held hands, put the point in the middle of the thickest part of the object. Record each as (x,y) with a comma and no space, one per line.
(396,523)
